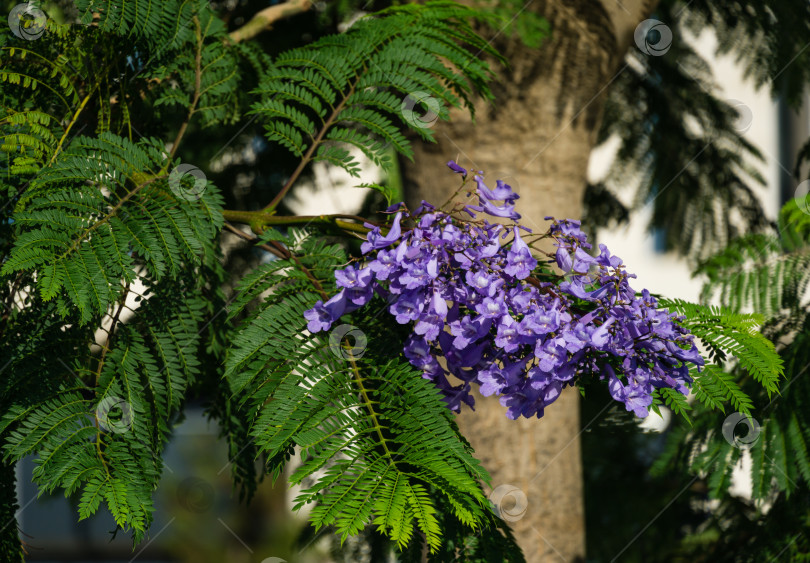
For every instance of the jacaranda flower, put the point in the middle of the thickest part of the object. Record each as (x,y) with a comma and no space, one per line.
(484,312)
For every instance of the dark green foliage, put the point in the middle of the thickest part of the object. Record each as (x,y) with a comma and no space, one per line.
(98,424)
(762,272)
(46,81)
(219,73)
(84,240)
(113,293)
(492,543)
(727,334)
(103,215)
(161,23)
(354,89)
(9,545)
(768,272)
(374,436)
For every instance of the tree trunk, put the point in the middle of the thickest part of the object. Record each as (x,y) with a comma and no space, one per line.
(538,138)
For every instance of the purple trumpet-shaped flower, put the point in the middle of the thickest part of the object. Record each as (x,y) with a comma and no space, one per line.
(467,330)
(419,354)
(505,211)
(456,168)
(582,261)
(491,308)
(375,240)
(384,264)
(354,277)
(508,336)
(519,259)
(407,307)
(484,282)
(636,398)
(502,192)
(486,315)
(563,258)
(322,315)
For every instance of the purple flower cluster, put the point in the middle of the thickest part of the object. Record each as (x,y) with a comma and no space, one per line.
(484,311)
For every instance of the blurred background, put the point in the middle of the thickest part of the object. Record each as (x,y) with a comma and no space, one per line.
(630,515)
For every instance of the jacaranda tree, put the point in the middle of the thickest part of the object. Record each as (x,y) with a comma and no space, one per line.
(354,339)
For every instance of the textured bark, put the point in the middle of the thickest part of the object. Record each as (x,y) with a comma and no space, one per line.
(538,137)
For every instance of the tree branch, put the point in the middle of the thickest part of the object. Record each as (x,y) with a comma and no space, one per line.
(311,151)
(259,219)
(280,252)
(265,19)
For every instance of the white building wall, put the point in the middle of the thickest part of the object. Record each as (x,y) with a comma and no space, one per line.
(667,273)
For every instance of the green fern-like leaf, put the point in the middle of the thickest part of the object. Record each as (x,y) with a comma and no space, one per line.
(164,24)
(398,68)
(374,435)
(82,240)
(732,334)
(769,273)
(103,442)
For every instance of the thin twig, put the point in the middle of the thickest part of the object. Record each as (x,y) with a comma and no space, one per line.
(115,317)
(281,251)
(310,151)
(197,89)
(73,122)
(281,254)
